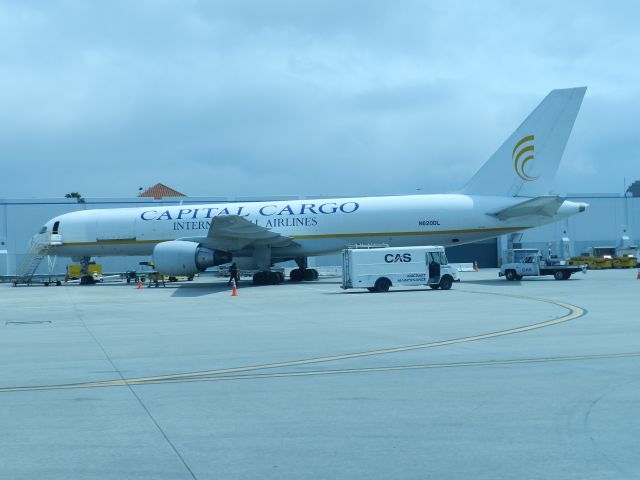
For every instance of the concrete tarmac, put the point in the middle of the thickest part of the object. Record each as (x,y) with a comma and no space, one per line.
(490,380)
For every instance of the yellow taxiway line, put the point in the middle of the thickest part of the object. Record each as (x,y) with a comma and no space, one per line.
(573,312)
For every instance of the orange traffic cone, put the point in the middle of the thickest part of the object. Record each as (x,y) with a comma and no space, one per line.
(139,284)
(475,266)
(234,289)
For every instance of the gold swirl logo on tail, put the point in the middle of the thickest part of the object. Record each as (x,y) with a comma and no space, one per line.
(523,153)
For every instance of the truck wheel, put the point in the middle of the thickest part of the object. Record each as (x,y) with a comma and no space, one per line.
(446,282)
(558,275)
(510,275)
(567,275)
(382,285)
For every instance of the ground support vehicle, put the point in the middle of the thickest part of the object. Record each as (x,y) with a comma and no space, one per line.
(155,276)
(536,266)
(156,279)
(624,262)
(379,268)
(74,271)
(608,257)
(45,280)
(592,263)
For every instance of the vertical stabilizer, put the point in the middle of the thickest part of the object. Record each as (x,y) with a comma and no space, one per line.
(526,163)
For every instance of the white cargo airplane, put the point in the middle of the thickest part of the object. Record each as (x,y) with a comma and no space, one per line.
(510,193)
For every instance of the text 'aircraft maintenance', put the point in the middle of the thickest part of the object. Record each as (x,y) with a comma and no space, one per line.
(510,193)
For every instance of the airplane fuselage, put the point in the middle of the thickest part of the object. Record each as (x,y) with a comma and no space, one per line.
(316,226)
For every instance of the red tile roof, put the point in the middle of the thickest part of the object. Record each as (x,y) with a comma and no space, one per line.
(159,190)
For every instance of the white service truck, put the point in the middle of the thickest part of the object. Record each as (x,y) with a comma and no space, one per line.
(534,266)
(377,269)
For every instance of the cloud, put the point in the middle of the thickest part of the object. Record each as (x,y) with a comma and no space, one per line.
(269,98)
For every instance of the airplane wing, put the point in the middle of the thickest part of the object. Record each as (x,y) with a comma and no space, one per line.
(545,206)
(233,232)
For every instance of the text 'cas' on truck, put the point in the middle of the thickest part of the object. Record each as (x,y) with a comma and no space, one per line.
(379,268)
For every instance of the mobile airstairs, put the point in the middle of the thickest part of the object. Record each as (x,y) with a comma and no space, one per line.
(39,248)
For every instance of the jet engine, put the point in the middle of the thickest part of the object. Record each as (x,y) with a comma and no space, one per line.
(178,257)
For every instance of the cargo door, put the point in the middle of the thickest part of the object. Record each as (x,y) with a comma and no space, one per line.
(433,267)
(114,226)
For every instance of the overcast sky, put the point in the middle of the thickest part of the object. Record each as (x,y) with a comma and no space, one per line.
(298,97)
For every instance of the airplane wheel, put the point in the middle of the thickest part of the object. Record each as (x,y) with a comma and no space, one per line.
(259,278)
(273,278)
(280,277)
(308,275)
(296,275)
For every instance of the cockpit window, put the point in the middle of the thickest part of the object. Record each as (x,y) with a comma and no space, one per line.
(56,225)
(43,229)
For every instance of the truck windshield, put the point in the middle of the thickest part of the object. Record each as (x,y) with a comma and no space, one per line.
(437,257)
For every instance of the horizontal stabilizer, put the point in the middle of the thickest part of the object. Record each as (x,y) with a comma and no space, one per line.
(545,206)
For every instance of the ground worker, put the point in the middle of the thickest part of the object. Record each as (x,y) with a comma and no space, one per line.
(233,273)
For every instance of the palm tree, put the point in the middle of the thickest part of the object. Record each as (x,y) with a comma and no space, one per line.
(75,195)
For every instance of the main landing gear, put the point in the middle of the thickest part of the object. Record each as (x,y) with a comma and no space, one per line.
(268,278)
(306,274)
(302,272)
